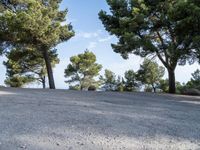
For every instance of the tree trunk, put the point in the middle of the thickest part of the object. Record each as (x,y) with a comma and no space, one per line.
(154,88)
(172,81)
(44,82)
(49,69)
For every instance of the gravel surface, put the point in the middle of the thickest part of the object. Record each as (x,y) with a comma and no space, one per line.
(71,120)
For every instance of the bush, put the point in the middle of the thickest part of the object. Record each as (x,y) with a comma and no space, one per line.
(148,89)
(75,88)
(120,88)
(192,92)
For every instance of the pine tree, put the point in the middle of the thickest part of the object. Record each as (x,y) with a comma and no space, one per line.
(150,73)
(131,83)
(82,70)
(167,29)
(37,24)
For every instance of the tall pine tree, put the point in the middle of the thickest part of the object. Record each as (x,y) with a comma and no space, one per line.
(82,70)
(167,29)
(36,23)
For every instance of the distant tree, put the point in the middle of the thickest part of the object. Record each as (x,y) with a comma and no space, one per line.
(167,29)
(196,77)
(192,87)
(164,85)
(179,87)
(35,23)
(74,87)
(82,70)
(120,84)
(150,73)
(28,63)
(194,81)
(131,83)
(109,80)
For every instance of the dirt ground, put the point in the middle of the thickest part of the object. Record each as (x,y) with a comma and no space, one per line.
(71,120)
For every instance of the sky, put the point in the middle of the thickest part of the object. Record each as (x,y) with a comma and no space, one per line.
(90,34)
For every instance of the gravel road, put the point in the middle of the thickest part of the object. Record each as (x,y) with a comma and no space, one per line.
(71,120)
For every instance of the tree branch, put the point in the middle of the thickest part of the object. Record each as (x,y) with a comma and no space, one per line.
(164,49)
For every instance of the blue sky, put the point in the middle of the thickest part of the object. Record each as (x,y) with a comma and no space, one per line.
(90,34)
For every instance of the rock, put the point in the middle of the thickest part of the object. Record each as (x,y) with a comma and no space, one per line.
(23,147)
(57,144)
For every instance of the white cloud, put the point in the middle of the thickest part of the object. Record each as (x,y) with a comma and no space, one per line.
(92,45)
(105,39)
(89,35)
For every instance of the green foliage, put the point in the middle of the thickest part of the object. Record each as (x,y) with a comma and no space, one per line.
(75,87)
(24,61)
(168,29)
(120,88)
(194,83)
(19,81)
(109,80)
(196,79)
(131,83)
(36,24)
(164,85)
(179,87)
(120,84)
(192,87)
(150,73)
(82,70)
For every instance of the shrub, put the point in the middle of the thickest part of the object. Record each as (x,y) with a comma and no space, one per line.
(192,92)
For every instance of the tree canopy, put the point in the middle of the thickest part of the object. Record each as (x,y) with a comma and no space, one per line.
(150,73)
(26,62)
(82,70)
(168,29)
(19,81)
(109,80)
(131,83)
(37,24)
(194,81)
